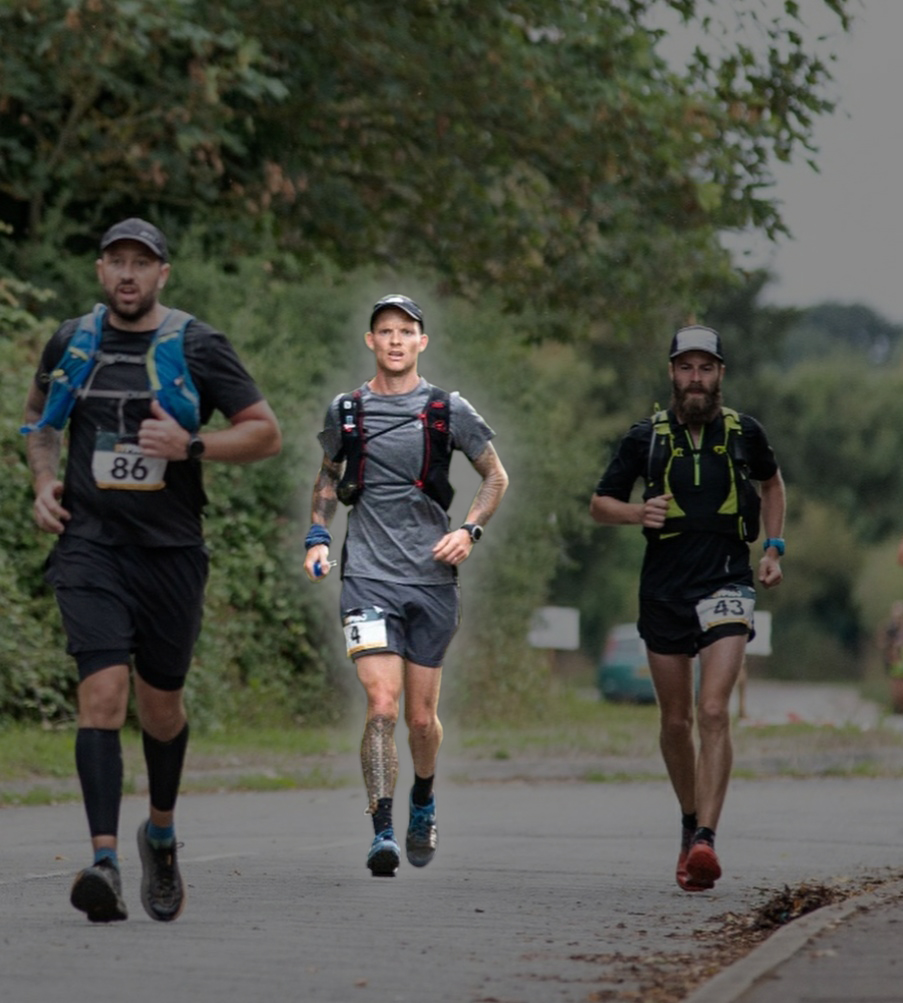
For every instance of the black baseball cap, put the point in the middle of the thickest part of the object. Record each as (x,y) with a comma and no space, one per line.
(397,302)
(697,339)
(136,229)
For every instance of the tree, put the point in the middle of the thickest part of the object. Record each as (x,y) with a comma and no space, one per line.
(544,149)
(109,108)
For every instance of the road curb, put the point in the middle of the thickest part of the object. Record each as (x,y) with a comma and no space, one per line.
(731,983)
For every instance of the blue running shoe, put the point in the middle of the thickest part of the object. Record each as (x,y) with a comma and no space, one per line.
(423,836)
(384,855)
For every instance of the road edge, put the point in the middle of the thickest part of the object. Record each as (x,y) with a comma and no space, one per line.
(731,983)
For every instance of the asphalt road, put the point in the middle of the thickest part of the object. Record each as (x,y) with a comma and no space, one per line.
(541,892)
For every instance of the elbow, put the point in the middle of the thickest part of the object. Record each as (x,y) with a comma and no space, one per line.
(274,445)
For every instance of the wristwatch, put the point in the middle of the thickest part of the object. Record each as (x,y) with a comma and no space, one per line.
(776,542)
(474,530)
(195,448)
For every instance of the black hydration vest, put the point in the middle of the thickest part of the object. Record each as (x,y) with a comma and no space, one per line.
(433,479)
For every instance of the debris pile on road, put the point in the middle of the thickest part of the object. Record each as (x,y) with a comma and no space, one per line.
(791,903)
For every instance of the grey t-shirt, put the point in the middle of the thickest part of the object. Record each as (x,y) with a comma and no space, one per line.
(393,526)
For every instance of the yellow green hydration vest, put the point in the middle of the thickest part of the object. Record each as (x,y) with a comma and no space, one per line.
(738,514)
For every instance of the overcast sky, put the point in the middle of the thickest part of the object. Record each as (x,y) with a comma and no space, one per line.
(847,221)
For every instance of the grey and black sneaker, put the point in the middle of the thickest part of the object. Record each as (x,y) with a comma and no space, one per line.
(423,836)
(384,855)
(162,892)
(97,891)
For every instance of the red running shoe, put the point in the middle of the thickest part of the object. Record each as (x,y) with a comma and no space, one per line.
(683,876)
(702,864)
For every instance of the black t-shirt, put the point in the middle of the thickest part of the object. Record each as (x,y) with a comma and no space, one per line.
(691,564)
(168,517)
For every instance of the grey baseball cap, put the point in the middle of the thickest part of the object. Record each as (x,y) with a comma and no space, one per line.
(398,302)
(697,339)
(140,230)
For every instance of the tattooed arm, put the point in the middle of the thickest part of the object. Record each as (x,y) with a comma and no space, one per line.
(43,448)
(455,547)
(322,509)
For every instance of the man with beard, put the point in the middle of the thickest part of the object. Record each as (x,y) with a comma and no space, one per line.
(135,381)
(699,512)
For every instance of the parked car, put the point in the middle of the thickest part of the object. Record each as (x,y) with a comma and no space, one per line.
(623,673)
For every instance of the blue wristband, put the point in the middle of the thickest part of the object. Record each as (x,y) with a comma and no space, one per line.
(776,542)
(317,534)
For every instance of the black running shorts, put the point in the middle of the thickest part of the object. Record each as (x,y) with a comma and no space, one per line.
(673,627)
(123,602)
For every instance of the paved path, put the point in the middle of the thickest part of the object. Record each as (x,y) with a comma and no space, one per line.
(540,893)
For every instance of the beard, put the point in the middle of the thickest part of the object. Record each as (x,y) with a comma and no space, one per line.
(698,409)
(134,311)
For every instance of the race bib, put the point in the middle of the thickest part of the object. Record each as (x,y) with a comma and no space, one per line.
(365,629)
(730,605)
(120,464)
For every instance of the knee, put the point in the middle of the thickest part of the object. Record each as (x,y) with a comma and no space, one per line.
(382,704)
(421,721)
(676,725)
(102,710)
(712,716)
(102,702)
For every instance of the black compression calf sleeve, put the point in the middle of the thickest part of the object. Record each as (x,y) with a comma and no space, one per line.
(98,760)
(164,768)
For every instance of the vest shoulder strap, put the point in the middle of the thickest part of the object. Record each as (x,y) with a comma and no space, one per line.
(168,375)
(435,418)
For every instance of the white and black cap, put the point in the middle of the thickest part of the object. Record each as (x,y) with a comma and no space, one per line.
(697,339)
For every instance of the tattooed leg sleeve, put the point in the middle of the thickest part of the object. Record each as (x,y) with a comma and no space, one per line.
(379,759)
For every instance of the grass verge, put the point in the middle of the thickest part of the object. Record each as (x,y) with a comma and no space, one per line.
(575,734)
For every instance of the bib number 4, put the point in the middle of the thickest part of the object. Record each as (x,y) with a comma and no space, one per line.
(365,630)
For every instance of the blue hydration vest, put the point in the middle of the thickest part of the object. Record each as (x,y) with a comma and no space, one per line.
(167,371)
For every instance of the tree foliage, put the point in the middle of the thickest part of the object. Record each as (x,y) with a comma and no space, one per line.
(106,107)
(542,169)
(542,148)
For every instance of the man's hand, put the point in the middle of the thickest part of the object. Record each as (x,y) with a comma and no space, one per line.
(49,515)
(454,547)
(318,553)
(162,436)
(654,511)
(770,573)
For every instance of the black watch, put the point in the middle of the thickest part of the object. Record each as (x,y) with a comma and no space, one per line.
(195,448)
(474,530)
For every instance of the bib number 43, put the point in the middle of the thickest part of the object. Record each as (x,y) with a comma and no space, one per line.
(731,605)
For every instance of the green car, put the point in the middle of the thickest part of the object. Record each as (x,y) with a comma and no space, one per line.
(623,673)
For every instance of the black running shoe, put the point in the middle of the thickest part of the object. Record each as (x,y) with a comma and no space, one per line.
(422,837)
(97,891)
(162,893)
